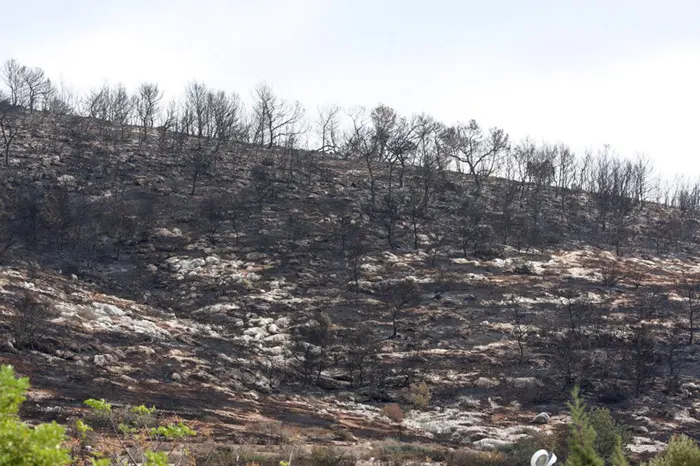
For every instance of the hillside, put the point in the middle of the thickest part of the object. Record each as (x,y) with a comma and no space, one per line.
(278,297)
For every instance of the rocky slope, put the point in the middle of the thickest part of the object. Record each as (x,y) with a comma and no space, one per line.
(216,324)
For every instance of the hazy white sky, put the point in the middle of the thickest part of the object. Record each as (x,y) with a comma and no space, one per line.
(585,72)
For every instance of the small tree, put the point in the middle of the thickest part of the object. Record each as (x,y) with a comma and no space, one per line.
(146,104)
(593,437)
(612,274)
(681,451)
(690,290)
(361,348)
(610,435)
(310,345)
(520,330)
(213,211)
(582,435)
(644,356)
(21,444)
(10,124)
(355,253)
(134,428)
(674,361)
(262,187)
(120,224)
(618,457)
(395,414)
(8,238)
(390,212)
(26,321)
(418,394)
(397,296)
(199,163)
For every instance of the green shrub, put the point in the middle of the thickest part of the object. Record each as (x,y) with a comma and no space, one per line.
(681,451)
(134,424)
(608,433)
(582,436)
(584,439)
(21,444)
(418,395)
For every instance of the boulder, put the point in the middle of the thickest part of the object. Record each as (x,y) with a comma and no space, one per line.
(484,382)
(107,309)
(275,340)
(529,383)
(541,418)
(192,264)
(100,360)
(490,444)
(256,333)
(282,322)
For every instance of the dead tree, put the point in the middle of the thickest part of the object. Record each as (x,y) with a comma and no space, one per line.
(328,129)
(147,106)
(262,187)
(168,124)
(29,316)
(311,342)
(121,108)
(226,115)
(362,143)
(415,205)
(400,149)
(520,330)
(59,100)
(397,296)
(361,348)
(275,119)
(355,251)
(36,86)
(690,290)
(213,211)
(389,213)
(197,108)
(480,153)
(644,357)
(10,124)
(428,158)
(199,162)
(14,80)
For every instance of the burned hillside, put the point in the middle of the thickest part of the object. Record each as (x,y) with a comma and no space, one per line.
(213,267)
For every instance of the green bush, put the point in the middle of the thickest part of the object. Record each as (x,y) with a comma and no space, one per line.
(418,395)
(608,432)
(583,437)
(681,451)
(21,444)
(135,424)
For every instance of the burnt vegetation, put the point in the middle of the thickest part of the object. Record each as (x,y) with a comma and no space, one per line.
(403,236)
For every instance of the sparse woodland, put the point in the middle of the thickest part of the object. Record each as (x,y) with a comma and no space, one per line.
(284,280)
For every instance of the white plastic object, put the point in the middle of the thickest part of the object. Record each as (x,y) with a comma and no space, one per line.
(543,458)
